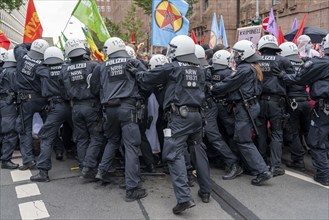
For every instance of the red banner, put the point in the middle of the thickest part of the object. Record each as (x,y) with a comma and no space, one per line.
(4,41)
(300,30)
(33,29)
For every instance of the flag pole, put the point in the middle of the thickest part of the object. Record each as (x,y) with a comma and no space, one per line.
(68,21)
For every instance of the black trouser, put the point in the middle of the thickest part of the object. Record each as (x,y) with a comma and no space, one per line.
(186,131)
(299,124)
(243,138)
(121,123)
(58,113)
(29,107)
(9,137)
(271,110)
(214,136)
(318,142)
(145,146)
(87,131)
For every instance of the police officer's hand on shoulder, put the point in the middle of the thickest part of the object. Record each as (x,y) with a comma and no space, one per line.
(130,67)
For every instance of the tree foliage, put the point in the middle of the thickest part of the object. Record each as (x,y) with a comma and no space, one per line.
(132,23)
(113,28)
(10,5)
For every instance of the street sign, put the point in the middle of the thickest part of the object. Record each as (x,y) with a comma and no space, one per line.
(265,23)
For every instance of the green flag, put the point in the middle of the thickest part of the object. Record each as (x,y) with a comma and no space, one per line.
(64,37)
(60,43)
(87,12)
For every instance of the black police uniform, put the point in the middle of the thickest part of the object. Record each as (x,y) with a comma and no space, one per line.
(315,73)
(184,94)
(299,110)
(118,91)
(29,98)
(8,113)
(272,107)
(245,80)
(86,111)
(211,128)
(58,110)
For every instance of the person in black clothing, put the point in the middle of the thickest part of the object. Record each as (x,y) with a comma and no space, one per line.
(298,108)
(58,109)
(8,112)
(242,88)
(272,101)
(184,83)
(119,94)
(315,73)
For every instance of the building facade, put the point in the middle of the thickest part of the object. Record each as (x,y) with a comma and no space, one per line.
(12,24)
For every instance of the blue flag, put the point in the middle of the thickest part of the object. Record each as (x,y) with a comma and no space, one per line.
(214,34)
(168,20)
(222,33)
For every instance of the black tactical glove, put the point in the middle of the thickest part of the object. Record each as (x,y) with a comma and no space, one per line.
(131,68)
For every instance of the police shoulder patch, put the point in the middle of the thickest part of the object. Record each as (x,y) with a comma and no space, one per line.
(307,64)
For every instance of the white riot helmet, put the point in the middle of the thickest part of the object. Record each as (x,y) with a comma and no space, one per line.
(201,54)
(3,51)
(9,59)
(131,52)
(244,50)
(53,55)
(74,48)
(115,47)
(158,60)
(182,48)
(268,42)
(290,50)
(37,49)
(221,59)
(303,39)
(325,44)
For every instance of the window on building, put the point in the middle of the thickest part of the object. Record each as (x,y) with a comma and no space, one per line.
(108,8)
(206,4)
(274,2)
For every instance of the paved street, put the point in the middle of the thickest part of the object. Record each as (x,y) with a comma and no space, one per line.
(292,196)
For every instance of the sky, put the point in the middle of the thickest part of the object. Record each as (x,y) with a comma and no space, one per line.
(54,15)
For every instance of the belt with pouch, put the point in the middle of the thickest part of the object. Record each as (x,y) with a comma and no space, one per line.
(184,109)
(323,104)
(274,98)
(28,95)
(221,101)
(250,101)
(56,99)
(299,99)
(3,96)
(89,102)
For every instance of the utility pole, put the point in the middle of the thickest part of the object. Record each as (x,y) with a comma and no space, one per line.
(257,10)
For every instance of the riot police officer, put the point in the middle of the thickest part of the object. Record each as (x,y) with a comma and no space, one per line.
(119,93)
(243,89)
(315,73)
(184,82)
(58,109)
(86,109)
(217,107)
(299,110)
(29,94)
(8,113)
(272,101)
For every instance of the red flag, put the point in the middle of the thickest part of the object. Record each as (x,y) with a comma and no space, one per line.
(194,37)
(4,41)
(203,39)
(33,29)
(300,30)
(280,37)
(132,37)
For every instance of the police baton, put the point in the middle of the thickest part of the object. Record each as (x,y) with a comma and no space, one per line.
(246,105)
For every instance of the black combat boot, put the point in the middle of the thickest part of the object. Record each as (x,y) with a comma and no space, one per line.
(88,173)
(277,171)
(180,207)
(151,168)
(261,178)
(28,165)
(235,171)
(8,164)
(205,197)
(103,176)
(42,176)
(134,194)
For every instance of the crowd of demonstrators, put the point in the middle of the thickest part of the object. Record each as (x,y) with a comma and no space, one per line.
(236,105)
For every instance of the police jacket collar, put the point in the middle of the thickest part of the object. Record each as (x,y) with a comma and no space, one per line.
(189,58)
(120,53)
(219,66)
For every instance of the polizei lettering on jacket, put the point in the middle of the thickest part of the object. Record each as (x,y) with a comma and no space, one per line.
(116,61)
(77,72)
(29,63)
(115,69)
(77,66)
